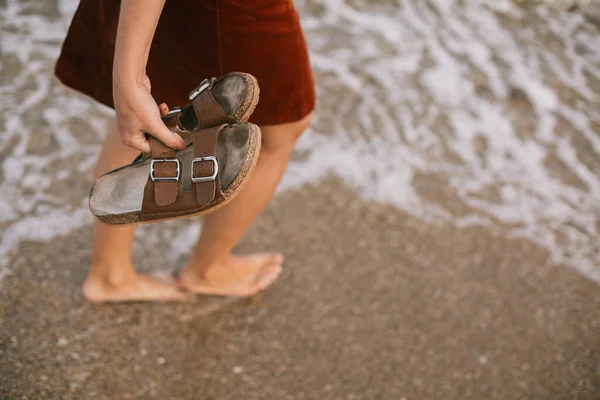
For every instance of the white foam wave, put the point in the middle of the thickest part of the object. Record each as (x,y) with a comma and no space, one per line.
(427,76)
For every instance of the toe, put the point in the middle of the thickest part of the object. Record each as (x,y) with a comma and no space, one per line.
(170,294)
(174,296)
(269,258)
(164,276)
(142,288)
(267,276)
(160,289)
(277,259)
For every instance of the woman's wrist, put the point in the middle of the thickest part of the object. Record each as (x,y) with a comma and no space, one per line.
(137,23)
(124,74)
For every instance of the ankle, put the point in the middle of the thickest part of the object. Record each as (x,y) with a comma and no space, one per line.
(110,277)
(201,268)
(204,262)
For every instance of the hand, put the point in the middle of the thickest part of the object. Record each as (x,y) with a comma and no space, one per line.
(138,115)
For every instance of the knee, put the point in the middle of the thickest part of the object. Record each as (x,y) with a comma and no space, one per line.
(282,138)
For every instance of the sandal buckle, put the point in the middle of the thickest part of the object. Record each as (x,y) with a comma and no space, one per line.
(213,159)
(155,178)
(173,111)
(205,84)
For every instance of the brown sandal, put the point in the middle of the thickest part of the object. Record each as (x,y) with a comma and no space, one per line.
(214,167)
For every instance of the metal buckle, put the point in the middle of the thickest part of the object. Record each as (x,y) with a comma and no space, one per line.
(166,178)
(213,159)
(201,88)
(173,111)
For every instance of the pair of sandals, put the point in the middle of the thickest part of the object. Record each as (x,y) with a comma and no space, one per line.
(220,156)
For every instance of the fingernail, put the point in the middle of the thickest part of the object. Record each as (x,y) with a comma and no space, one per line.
(181,146)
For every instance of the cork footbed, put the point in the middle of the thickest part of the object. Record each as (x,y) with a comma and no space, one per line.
(116,197)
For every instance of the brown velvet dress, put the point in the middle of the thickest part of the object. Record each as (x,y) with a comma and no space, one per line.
(197,39)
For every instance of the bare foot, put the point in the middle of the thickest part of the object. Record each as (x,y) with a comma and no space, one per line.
(138,288)
(242,276)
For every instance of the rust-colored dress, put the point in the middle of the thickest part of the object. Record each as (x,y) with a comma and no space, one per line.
(197,39)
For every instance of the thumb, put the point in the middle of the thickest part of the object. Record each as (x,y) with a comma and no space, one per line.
(161,132)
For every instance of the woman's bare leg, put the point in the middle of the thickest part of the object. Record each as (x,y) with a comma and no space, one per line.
(112,276)
(212,269)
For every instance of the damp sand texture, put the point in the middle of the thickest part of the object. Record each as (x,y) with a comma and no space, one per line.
(440,221)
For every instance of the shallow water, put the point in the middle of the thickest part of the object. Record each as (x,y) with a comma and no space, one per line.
(469,112)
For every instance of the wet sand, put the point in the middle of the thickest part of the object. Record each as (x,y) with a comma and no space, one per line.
(458,261)
(373,304)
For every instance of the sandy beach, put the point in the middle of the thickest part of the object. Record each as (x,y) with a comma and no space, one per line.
(440,221)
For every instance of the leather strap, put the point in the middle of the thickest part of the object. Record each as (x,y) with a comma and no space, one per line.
(165,192)
(205,145)
(208,112)
(169,196)
(173,120)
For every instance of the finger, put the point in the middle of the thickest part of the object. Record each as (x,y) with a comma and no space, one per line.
(164,134)
(164,109)
(139,142)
